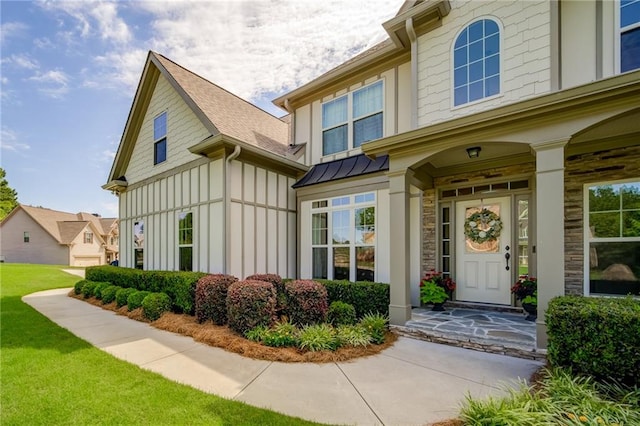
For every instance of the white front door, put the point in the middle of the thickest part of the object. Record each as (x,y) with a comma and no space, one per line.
(483,274)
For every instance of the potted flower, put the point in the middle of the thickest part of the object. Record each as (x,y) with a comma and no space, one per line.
(436,289)
(526,290)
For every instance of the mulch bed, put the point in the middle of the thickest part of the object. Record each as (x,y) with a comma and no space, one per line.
(225,338)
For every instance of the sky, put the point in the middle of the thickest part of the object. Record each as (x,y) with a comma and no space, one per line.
(69,71)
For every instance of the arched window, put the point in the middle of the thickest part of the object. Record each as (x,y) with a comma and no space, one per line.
(476,62)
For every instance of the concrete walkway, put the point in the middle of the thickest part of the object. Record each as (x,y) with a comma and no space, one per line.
(411,383)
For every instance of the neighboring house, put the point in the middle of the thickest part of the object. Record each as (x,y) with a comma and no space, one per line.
(529,110)
(39,235)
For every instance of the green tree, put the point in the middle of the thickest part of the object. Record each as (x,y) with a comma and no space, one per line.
(8,196)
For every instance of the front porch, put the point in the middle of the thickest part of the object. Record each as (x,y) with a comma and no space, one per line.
(506,333)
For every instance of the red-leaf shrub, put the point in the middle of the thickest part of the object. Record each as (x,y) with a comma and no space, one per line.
(307,302)
(250,304)
(274,279)
(211,298)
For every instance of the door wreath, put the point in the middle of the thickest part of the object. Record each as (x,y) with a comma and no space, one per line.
(483,226)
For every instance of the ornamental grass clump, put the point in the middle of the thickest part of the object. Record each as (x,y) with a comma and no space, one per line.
(376,326)
(211,298)
(250,304)
(353,335)
(318,337)
(307,302)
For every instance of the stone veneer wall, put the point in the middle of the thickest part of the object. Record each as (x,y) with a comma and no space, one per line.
(600,166)
(429,244)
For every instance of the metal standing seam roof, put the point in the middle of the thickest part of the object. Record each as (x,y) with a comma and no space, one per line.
(357,165)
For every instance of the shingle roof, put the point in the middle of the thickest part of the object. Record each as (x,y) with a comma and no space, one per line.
(230,114)
(63,226)
(344,168)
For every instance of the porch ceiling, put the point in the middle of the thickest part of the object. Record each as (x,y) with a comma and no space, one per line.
(489,152)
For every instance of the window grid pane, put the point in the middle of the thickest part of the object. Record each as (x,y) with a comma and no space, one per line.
(367,100)
(334,140)
(160,126)
(367,129)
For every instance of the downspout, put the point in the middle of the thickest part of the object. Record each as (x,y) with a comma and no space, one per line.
(414,72)
(227,207)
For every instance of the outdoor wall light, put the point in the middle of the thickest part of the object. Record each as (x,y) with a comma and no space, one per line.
(474,151)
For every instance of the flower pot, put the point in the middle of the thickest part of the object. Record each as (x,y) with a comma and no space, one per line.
(438,307)
(531,310)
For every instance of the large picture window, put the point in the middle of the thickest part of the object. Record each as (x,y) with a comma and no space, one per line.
(343,238)
(185,241)
(629,35)
(352,119)
(613,237)
(476,62)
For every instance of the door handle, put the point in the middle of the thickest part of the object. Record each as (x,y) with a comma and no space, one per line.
(507,256)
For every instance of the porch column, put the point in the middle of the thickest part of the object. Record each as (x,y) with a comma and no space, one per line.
(549,228)
(400,303)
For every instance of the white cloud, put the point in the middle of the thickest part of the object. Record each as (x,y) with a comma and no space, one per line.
(22,61)
(43,43)
(12,29)
(53,83)
(9,141)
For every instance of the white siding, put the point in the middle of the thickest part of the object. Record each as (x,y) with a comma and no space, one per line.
(525,56)
(184,129)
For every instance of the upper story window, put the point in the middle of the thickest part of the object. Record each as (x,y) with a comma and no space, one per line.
(629,35)
(352,119)
(88,237)
(25,237)
(476,62)
(160,138)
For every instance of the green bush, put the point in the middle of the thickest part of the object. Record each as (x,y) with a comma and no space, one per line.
(598,337)
(155,304)
(341,313)
(318,337)
(211,298)
(88,288)
(77,288)
(122,295)
(97,290)
(122,277)
(281,334)
(134,301)
(306,302)
(364,296)
(353,335)
(109,294)
(274,279)
(250,304)
(376,326)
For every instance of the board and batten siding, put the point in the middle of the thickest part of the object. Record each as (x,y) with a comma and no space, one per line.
(198,189)
(262,221)
(184,129)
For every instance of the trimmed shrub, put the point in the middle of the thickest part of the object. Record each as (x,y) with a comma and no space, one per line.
(364,296)
(121,296)
(155,304)
(97,290)
(274,279)
(77,288)
(341,313)
(211,298)
(87,289)
(134,301)
(598,337)
(109,294)
(375,325)
(250,304)
(306,302)
(319,337)
(122,277)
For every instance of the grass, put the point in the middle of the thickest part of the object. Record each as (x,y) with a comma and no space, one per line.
(560,398)
(51,377)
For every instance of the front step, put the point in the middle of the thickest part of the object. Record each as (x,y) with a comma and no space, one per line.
(484,307)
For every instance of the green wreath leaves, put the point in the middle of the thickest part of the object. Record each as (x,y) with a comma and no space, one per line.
(483,226)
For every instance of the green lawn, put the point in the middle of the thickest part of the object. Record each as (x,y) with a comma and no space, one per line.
(49,376)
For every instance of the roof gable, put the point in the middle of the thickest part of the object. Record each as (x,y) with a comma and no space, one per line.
(221,112)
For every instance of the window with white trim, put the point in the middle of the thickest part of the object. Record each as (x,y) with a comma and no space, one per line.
(25,237)
(88,237)
(612,237)
(138,244)
(343,238)
(476,62)
(352,119)
(629,35)
(160,138)
(185,241)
